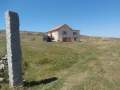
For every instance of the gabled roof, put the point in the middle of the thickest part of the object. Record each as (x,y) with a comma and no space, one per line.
(57,28)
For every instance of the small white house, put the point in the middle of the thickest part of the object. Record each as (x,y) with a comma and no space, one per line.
(64,33)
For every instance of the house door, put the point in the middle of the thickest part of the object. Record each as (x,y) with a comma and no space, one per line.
(64,39)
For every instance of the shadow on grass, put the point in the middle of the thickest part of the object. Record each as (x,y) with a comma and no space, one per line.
(35,83)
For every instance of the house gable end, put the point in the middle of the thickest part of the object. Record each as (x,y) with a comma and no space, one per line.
(65,27)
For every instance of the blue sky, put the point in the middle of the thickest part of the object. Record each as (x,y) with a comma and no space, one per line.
(92,17)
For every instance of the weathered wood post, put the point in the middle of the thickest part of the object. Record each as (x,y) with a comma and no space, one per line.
(13,48)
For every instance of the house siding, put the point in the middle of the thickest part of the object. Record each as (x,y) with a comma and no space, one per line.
(68,33)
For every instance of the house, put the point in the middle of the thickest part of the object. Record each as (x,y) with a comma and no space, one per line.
(64,33)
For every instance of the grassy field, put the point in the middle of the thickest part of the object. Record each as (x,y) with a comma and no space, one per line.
(92,64)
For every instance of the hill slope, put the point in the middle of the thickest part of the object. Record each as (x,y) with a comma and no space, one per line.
(92,64)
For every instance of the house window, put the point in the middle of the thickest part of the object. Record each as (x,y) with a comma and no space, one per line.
(74,33)
(75,38)
(64,33)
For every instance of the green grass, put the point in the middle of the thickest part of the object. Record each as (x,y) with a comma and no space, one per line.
(2,48)
(88,65)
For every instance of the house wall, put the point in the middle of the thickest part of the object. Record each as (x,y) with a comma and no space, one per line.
(54,35)
(67,30)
